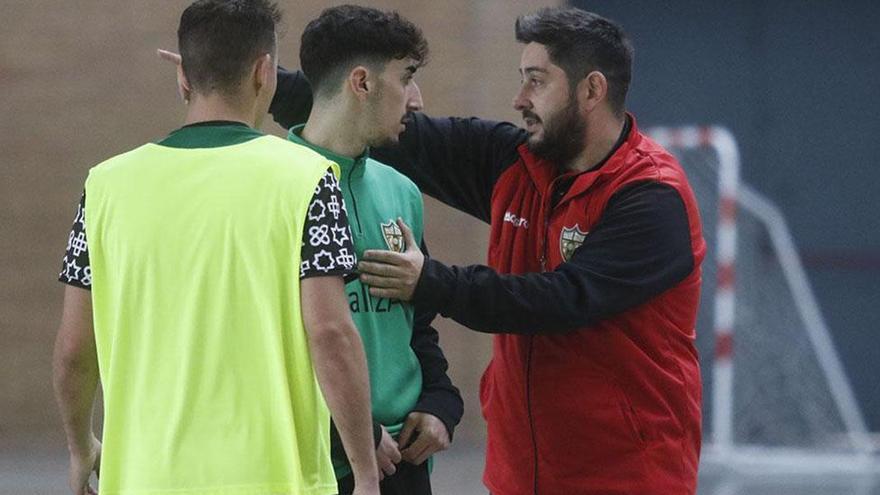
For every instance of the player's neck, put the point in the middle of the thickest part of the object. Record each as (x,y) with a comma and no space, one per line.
(215,107)
(335,129)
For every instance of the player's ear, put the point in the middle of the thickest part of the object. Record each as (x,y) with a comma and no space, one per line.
(359,83)
(264,69)
(183,87)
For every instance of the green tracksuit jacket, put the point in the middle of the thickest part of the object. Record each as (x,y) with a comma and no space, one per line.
(375,196)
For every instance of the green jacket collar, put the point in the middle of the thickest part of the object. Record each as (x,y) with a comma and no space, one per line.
(350,167)
(210,134)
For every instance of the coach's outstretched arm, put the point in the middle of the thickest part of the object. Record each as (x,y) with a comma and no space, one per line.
(639,248)
(341,369)
(293,98)
(455,160)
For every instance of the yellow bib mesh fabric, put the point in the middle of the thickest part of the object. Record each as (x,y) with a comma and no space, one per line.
(208,383)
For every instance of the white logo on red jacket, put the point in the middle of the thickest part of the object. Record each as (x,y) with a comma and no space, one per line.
(516,220)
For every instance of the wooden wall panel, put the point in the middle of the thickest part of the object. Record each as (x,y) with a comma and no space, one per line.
(80,82)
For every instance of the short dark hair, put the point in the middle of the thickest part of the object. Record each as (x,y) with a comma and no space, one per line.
(220,39)
(346,35)
(580,42)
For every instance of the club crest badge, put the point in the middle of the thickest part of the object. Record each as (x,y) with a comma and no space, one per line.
(571,239)
(393,236)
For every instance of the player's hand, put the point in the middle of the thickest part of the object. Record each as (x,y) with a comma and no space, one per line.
(393,275)
(183,88)
(81,466)
(387,455)
(422,436)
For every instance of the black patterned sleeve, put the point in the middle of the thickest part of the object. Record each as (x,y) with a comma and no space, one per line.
(75,268)
(327,247)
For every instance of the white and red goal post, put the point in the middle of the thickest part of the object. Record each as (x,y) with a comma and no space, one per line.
(778,395)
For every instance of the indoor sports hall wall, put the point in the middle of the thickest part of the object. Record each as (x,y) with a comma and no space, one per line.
(80,82)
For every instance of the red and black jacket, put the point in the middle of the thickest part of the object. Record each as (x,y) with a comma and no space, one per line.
(592,291)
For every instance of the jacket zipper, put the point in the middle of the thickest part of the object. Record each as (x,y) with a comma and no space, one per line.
(548,207)
(544,243)
(547,212)
(529,410)
(354,205)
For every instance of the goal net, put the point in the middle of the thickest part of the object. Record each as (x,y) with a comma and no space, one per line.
(776,397)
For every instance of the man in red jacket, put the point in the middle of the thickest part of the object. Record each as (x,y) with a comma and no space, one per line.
(593,280)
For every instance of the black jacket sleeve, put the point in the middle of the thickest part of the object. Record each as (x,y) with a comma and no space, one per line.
(456,160)
(293,99)
(639,248)
(439,396)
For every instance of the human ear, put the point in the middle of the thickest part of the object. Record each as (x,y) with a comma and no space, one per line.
(358,82)
(264,68)
(592,90)
(183,87)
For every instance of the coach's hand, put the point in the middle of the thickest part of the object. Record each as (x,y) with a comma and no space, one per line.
(81,466)
(183,88)
(169,56)
(387,455)
(430,437)
(393,275)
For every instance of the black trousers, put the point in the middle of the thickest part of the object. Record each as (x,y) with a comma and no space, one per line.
(408,480)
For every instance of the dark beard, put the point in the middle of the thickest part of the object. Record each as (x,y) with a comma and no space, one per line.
(563,136)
